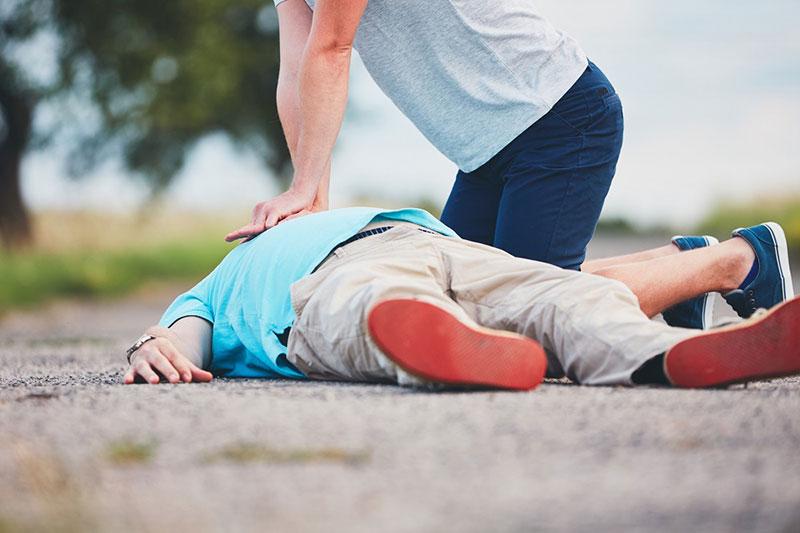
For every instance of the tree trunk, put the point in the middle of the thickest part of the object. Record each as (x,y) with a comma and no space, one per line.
(15,225)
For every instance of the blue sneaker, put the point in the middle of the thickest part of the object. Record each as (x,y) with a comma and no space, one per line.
(695,313)
(772,283)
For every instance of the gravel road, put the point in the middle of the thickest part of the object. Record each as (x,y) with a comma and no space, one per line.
(80,452)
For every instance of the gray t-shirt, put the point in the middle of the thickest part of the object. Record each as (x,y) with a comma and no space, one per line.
(470,75)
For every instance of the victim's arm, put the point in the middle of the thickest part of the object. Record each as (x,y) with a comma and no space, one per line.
(178,353)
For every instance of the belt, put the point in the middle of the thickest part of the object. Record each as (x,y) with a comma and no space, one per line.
(361,235)
(370,232)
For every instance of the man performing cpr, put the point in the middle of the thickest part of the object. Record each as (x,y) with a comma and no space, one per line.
(534,127)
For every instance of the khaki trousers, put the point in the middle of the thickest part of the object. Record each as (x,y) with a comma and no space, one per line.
(590,327)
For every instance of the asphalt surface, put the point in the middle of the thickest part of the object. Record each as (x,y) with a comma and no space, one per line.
(80,452)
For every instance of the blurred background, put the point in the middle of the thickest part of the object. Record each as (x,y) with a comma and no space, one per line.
(135,134)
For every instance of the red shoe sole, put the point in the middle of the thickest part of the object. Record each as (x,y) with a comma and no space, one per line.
(762,348)
(428,342)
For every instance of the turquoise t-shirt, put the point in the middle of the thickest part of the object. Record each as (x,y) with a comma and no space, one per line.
(247,298)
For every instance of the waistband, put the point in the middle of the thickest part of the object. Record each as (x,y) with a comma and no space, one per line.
(369,231)
(363,234)
(374,231)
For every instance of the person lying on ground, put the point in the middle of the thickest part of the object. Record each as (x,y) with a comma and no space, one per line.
(364,294)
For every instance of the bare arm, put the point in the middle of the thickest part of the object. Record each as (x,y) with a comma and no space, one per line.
(195,335)
(322,80)
(323,85)
(179,353)
(295,26)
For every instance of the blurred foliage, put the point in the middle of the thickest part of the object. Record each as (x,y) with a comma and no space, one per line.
(164,74)
(94,255)
(729,216)
(427,203)
(33,278)
(136,81)
(616,225)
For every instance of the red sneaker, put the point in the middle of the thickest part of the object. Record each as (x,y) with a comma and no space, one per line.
(430,343)
(765,346)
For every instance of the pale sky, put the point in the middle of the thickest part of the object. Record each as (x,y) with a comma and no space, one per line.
(711,92)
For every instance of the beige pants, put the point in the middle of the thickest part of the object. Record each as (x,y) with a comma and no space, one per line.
(590,327)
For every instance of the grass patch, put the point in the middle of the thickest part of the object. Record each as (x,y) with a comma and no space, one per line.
(256,453)
(126,452)
(84,254)
(33,277)
(729,216)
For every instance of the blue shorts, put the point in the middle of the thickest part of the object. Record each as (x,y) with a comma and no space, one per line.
(540,197)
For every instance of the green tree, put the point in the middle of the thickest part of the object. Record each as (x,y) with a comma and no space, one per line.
(157,75)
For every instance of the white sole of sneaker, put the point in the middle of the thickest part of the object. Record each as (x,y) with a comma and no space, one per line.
(782,249)
(708,301)
(783,258)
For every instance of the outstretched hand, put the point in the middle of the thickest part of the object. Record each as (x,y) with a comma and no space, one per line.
(160,356)
(266,215)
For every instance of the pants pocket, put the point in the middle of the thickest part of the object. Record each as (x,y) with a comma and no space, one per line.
(585,111)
